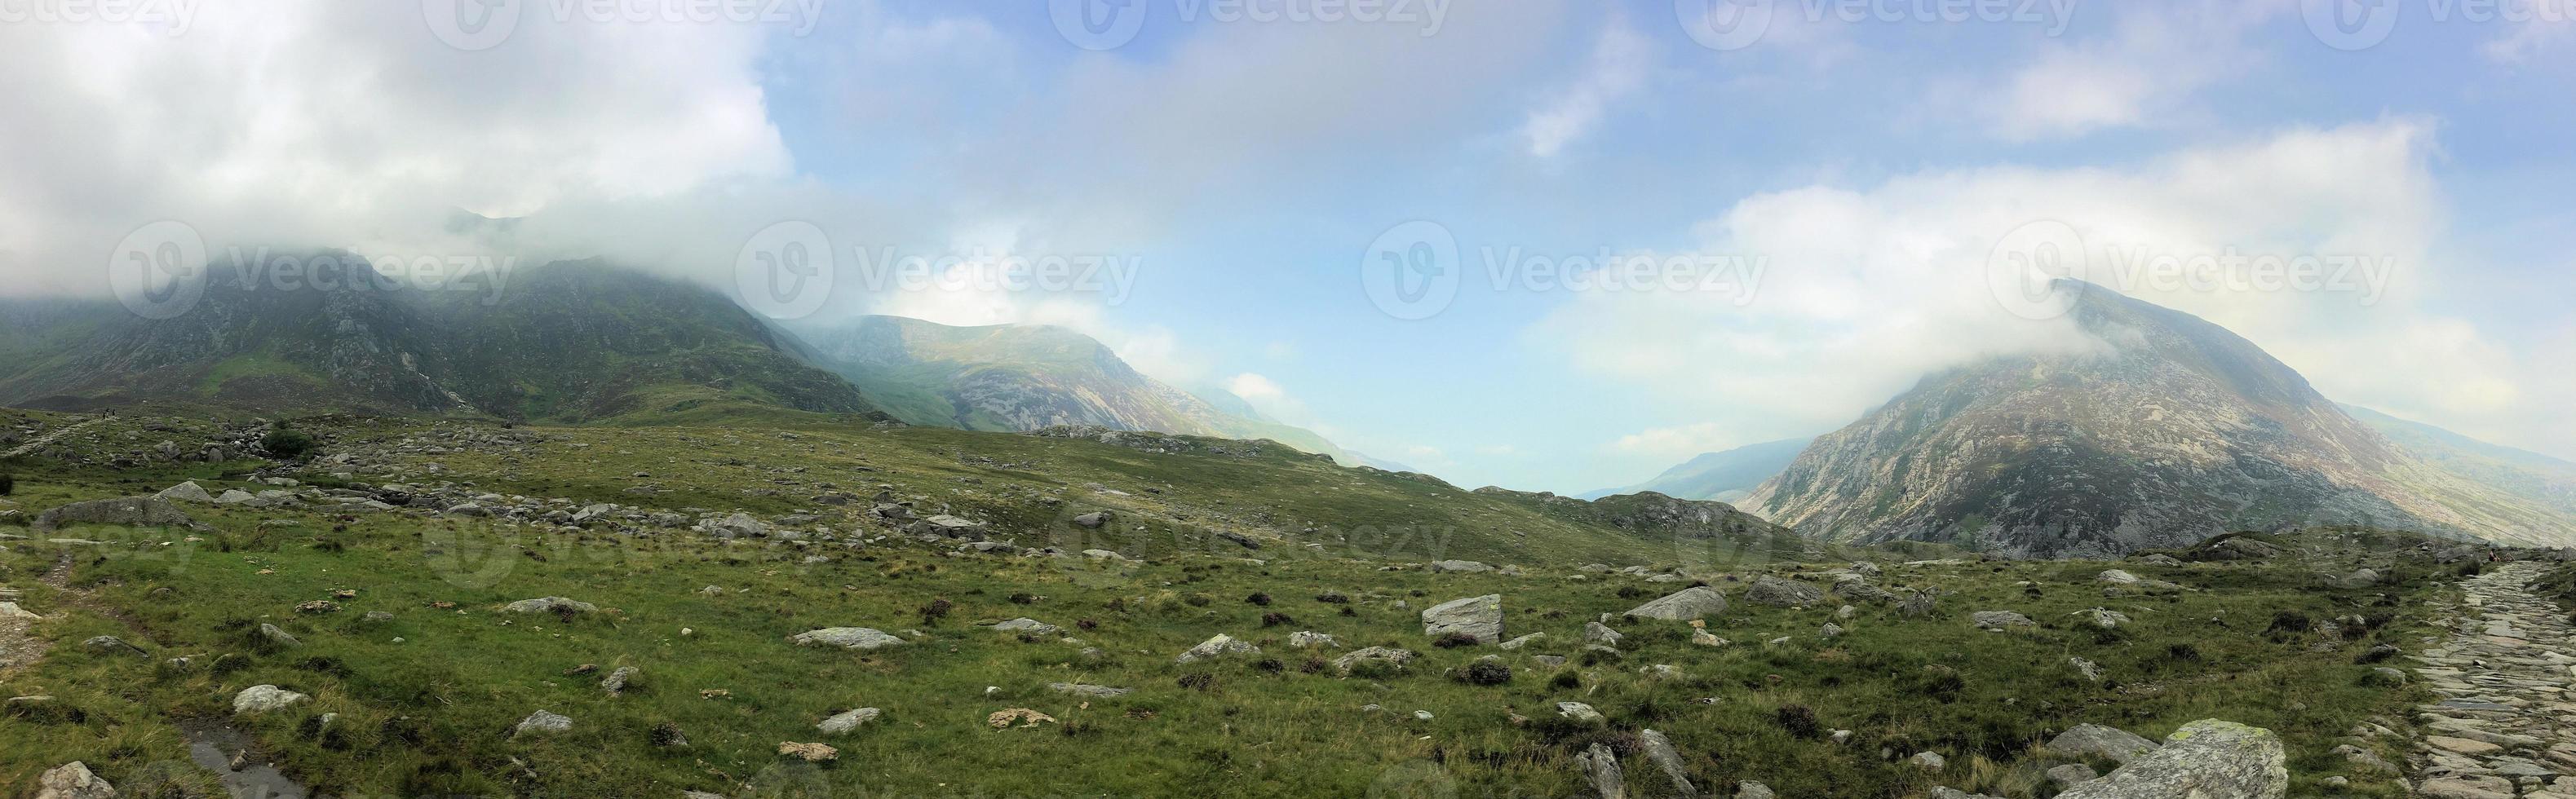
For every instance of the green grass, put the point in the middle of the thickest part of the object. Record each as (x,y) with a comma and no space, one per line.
(431,714)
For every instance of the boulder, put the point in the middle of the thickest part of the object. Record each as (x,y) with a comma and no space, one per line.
(10,610)
(1777,592)
(1027,625)
(264,698)
(1597,633)
(1477,617)
(1578,712)
(1522,641)
(618,680)
(1601,769)
(1094,519)
(1457,566)
(1091,691)
(541,723)
(1998,620)
(2363,578)
(948,526)
(860,638)
(1309,639)
(125,511)
(73,780)
(1660,752)
(1695,602)
(2207,758)
(845,722)
(738,525)
(186,492)
(552,604)
(1749,789)
(1399,657)
(278,635)
(2094,740)
(1218,646)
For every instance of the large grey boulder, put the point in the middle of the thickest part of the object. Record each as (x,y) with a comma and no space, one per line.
(1695,602)
(1783,593)
(1027,625)
(126,511)
(73,780)
(860,638)
(738,525)
(1478,617)
(264,698)
(1399,657)
(2207,759)
(2094,740)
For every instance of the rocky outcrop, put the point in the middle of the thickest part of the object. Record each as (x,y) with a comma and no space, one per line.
(121,511)
(1695,602)
(1480,618)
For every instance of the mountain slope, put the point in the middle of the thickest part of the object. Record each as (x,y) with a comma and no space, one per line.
(1026,377)
(576,341)
(1725,476)
(2169,431)
(2530,476)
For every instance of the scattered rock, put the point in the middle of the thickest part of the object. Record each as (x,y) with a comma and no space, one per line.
(2094,740)
(845,722)
(542,723)
(1399,657)
(264,698)
(860,638)
(810,753)
(1457,566)
(1577,711)
(619,679)
(186,492)
(1777,592)
(1309,639)
(1930,761)
(1690,603)
(1480,618)
(1660,752)
(1218,646)
(1092,691)
(1999,620)
(2204,758)
(73,780)
(1601,769)
(122,511)
(1024,717)
(552,604)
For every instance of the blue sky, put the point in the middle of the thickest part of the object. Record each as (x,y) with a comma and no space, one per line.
(1870,168)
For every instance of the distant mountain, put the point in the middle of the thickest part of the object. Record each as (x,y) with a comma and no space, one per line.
(573,341)
(2169,431)
(1727,476)
(2521,473)
(1027,377)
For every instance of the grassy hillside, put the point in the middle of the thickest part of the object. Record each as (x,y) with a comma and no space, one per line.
(426,696)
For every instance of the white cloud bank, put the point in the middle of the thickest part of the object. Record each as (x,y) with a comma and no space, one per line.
(1870,288)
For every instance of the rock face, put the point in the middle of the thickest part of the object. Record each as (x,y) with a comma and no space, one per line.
(860,638)
(2164,430)
(1477,617)
(73,781)
(2206,759)
(264,698)
(125,511)
(1695,602)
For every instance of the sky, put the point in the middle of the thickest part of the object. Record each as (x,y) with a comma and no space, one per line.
(1545,245)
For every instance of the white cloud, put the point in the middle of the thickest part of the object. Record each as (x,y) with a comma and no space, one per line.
(1870,288)
(2146,72)
(335,125)
(1675,443)
(1618,69)
(1254,388)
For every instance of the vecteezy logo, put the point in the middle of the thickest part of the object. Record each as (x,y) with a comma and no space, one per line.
(2351,24)
(1098,24)
(159,270)
(785,270)
(1724,24)
(471,25)
(1412,270)
(2025,266)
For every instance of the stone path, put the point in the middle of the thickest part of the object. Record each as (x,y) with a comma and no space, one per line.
(2505,726)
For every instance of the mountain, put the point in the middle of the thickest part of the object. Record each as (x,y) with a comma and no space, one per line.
(1727,476)
(571,341)
(2528,475)
(2166,431)
(1027,377)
